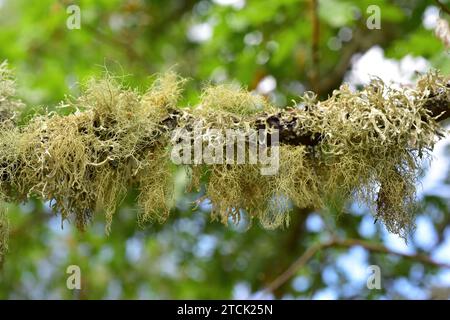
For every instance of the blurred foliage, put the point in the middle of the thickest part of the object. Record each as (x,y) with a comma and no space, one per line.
(248,42)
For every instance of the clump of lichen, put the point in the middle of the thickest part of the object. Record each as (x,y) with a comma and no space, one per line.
(86,161)
(372,142)
(232,99)
(235,188)
(156,187)
(365,145)
(241,188)
(10,108)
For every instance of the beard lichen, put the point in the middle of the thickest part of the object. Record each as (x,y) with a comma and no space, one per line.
(365,145)
(239,188)
(374,141)
(85,162)
(4,232)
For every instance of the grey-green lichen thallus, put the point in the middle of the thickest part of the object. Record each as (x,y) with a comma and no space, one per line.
(366,145)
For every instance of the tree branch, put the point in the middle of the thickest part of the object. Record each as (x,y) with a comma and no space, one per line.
(345,243)
(126,137)
(314,74)
(442,6)
(363,39)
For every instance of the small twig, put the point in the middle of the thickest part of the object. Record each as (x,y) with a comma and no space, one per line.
(374,247)
(362,41)
(442,6)
(314,75)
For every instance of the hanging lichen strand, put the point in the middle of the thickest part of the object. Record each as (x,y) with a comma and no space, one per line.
(365,145)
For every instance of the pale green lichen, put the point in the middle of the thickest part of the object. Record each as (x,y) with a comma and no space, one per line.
(371,144)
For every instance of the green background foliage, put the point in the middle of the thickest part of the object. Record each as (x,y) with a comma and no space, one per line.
(189,256)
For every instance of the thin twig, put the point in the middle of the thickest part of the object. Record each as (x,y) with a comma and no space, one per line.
(362,41)
(314,75)
(346,243)
(442,6)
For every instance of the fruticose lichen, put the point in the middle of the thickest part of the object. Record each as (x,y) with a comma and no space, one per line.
(4,233)
(368,146)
